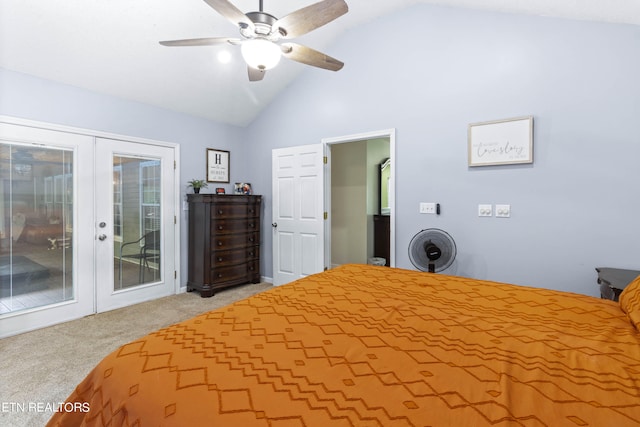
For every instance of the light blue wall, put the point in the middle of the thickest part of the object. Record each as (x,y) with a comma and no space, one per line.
(28,97)
(430,71)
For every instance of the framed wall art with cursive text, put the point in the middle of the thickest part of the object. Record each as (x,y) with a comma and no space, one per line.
(501,142)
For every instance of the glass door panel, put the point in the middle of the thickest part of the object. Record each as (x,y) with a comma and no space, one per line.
(136,221)
(36,226)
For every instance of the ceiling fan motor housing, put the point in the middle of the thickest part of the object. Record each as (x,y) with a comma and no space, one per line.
(263,25)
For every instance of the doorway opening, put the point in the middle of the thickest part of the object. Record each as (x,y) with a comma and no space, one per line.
(360,199)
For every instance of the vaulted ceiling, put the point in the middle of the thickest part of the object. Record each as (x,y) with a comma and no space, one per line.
(111,46)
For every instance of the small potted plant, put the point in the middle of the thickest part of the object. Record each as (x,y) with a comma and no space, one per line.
(197,184)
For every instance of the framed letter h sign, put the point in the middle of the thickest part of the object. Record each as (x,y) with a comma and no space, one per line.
(217,165)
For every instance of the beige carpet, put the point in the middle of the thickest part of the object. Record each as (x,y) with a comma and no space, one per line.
(39,369)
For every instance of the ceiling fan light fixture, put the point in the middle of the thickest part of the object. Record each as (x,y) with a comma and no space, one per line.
(261,54)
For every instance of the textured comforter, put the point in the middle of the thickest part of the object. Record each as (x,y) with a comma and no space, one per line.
(373,346)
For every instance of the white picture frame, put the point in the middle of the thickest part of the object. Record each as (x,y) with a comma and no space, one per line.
(217,165)
(501,142)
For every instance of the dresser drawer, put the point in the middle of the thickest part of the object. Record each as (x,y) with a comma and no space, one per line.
(234,241)
(243,272)
(220,258)
(232,226)
(231,211)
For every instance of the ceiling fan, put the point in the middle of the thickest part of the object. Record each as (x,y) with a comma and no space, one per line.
(260,33)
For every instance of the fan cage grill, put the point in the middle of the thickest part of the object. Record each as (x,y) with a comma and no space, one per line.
(440,238)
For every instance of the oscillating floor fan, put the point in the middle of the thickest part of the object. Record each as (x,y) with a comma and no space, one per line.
(432,250)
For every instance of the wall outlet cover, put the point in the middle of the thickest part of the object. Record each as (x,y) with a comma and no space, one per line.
(503,211)
(485,210)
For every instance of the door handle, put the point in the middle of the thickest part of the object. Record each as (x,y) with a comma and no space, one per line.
(102,237)
(274,225)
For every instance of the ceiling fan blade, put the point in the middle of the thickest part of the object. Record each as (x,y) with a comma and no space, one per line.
(255,75)
(231,13)
(311,17)
(207,41)
(308,56)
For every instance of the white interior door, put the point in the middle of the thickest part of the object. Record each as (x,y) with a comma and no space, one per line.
(135,222)
(46,259)
(298,212)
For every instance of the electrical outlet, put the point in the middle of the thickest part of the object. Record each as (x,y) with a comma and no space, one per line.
(485,210)
(427,208)
(503,211)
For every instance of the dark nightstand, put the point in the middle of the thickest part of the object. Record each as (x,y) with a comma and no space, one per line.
(613,280)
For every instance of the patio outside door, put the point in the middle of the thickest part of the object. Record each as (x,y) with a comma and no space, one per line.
(86,224)
(135,222)
(46,262)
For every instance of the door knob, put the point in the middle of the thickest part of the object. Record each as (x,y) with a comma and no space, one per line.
(274,225)
(102,237)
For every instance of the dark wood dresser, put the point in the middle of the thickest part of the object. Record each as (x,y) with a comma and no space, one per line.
(224,241)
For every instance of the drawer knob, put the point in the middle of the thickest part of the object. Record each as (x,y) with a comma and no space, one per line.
(220,212)
(251,239)
(220,227)
(219,243)
(219,259)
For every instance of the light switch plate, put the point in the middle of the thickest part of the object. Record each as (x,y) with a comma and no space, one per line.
(427,208)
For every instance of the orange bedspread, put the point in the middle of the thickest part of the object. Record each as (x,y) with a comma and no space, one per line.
(373,346)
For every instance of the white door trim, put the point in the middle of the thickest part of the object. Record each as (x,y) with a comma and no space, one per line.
(326,142)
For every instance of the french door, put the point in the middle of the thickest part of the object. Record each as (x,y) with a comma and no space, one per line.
(135,222)
(87,224)
(42,174)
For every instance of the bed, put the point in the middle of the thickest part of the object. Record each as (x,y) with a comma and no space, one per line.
(364,345)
